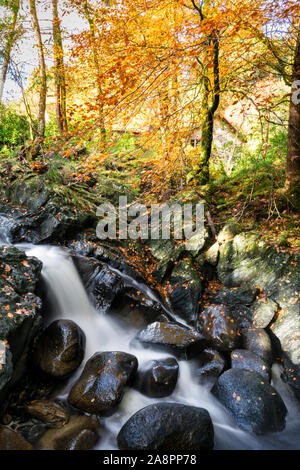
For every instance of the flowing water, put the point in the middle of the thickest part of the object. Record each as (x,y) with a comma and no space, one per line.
(103,333)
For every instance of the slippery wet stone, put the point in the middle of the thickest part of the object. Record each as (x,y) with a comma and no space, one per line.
(101,386)
(253,403)
(243,359)
(210,363)
(258,341)
(168,426)
(235,296)
(181,341)
(157,378)
(59,350)
(219,327)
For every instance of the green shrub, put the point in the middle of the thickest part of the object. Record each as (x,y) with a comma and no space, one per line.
(14,128)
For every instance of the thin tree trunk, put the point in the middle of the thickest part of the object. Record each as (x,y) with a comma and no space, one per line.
(8,47)
(42,70)
(200,174)
(293,147)
(59,72)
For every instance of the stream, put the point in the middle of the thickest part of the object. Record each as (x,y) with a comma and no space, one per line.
(103,333)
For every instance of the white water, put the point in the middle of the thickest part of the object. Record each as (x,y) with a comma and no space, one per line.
(105,334)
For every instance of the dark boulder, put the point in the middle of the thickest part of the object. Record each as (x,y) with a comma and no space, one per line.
(233,297)
(244,359)
(251,400)
(20,313)
(168,426)
(101,386)
(59,350)
(81,433)
(134,308)
(157,378)
(258,341)
(219,328)
(210,363)
(184,288)
(182,342)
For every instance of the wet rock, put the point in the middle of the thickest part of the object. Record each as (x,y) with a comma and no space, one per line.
(184,289)
(12,440)
(263,312)
(105,286)
(101,386)
(19,271)
(258,341)
(81,433)
(182,342)
(247,261)
(20,313)
(243,359)
(168,426)
(212,254)
(251,400)
(48,412)
(60,348)
(53,222)
(218,326)
(157,378)
(233,297)
(291,376)
(135,309)
(210,363)
(243,316)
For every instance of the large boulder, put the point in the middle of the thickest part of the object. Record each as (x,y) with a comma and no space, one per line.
(101,386)
(248,262)
(182,342)
(168,426)
(219,327)
(251,400)
(59,350)
(20,313)
(157,378)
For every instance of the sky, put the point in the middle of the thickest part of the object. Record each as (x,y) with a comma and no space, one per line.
(25,53)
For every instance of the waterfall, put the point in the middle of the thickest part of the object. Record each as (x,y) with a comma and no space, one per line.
(103,333)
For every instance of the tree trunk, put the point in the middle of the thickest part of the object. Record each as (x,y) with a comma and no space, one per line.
(200,174)
(8,47)
(293,147)
(42,70)
(211,100)
(59,72)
